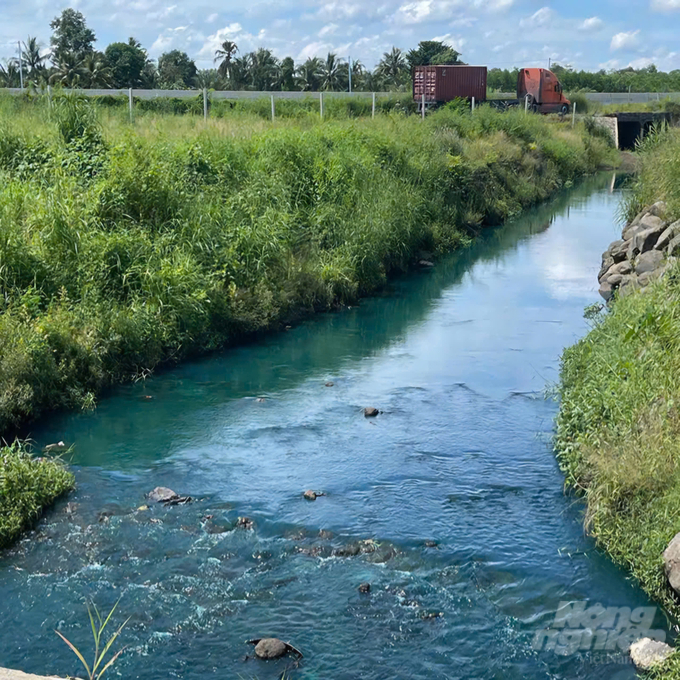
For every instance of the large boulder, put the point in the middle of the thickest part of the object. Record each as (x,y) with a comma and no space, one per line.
(674,246)
(667,235)
(607,264)
(606,291)
(619,249)
(671,563)
(646,238)
(647,653)
(620,269)
(628,285)
(658,209)
(648,262)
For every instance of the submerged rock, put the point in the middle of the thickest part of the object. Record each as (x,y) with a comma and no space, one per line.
(244,523)
(371,412)
(161,494)
(365,588)
(270,648)
(310,495)
(425,263)
(273,648)
(330,384)
(647,653)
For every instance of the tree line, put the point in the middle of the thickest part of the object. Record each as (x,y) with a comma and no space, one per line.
(73,61)
(647,79)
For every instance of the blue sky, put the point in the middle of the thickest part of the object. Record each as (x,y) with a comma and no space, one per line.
(505,33)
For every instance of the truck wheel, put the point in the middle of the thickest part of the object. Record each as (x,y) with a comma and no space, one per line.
(564,110)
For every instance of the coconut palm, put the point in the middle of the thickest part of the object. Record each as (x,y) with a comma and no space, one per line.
(331,72)
(393,67)
(240,72)
(69,70)
(265,70)
(309,74)
(31,57)
(224,54)
(96,73)
(210,79)
(9,73)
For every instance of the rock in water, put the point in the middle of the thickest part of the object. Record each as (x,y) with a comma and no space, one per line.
(365,588)
(371,412)
(671,562)
(161,494)
(310,495)
(53,448)
(330,384)
(244,523)
(647,653)
(270,648)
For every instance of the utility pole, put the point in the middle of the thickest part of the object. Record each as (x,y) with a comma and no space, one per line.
(349,70)
(549,61)
(21,68)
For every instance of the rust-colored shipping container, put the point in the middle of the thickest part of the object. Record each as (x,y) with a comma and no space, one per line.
(444,83)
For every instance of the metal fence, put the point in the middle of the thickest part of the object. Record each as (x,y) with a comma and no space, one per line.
(217,94)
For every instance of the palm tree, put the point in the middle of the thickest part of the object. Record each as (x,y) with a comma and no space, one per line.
(392,68)
(224,54)
(9,73)
(265,70)
(309,74)
(209,78)
(69,69)
(240,72)
(95,71)
(331,72)
(30,55)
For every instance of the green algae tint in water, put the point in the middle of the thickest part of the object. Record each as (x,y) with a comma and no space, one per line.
(457,358)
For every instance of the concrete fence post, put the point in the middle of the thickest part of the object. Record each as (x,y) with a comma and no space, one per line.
(473,105)
(573,115)
(205,104)
(130,102)
(422,106)
(526,104)
(49,96)
(373,107)
(321,104)
(273,109)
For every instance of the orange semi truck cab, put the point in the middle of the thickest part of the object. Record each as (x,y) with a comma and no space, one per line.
(543,90)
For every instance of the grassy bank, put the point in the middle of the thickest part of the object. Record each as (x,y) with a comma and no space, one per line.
(125,247)
(618,430)
(27,487)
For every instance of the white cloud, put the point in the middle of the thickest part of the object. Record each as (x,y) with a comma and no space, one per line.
(212,18)
(171,38)
(415,12)
(624,41)
(448,39)
(592,24)
(665,5)
(641,62)
(539,18)
(328,29)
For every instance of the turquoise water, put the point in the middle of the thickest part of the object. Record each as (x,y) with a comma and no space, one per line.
(458,359)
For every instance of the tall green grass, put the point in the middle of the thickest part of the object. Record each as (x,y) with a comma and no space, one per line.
(27,487)
(128,246)
(618,429)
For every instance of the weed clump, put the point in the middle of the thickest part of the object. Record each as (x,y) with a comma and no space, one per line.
(27,487)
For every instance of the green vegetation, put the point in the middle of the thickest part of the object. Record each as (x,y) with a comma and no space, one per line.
(618,430)
(122,248)
(101,647)
(647,79)
(27,487)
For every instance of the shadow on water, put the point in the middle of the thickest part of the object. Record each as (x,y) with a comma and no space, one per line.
(449,503)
